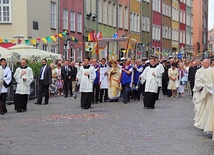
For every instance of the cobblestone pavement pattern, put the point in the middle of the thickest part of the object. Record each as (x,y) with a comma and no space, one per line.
(62,128)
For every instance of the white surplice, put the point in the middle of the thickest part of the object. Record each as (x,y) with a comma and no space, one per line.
(1,78)
(151,81)
(7,78)
(86,82)
(23,87)
(161,71)
(203,99)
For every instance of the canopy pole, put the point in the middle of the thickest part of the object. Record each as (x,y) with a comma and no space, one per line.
(108,51)
(127,47)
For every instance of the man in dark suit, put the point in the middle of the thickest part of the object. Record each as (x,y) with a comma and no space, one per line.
(45,80)
(73,78)
(66,78)
(191,75)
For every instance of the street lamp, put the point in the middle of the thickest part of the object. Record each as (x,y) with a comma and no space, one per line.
(18,36)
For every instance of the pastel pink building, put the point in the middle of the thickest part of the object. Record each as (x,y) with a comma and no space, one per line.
(72,20)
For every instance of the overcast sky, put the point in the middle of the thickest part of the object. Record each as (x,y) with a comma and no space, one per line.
(211,14)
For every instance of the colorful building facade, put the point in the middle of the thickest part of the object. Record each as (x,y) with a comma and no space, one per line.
(175,27)
(71,20)
(157,27)
(200,28)
(167,27)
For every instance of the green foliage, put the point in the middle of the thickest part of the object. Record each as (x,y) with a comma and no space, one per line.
(36,68)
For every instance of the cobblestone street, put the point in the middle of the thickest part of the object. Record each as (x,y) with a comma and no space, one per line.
(62,128)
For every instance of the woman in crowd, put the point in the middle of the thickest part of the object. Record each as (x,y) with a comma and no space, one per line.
(59,83)
(53,87)
(173,79)
(182,83)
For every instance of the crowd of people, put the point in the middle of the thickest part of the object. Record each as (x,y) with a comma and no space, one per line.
(113,80)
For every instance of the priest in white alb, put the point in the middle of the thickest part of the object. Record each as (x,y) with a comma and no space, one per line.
(23,76)
(86,77)
(203,98)
(150,76)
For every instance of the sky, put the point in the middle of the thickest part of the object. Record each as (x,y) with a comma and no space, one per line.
(211,14)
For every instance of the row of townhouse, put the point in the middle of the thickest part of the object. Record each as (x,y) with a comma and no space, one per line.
(161,27)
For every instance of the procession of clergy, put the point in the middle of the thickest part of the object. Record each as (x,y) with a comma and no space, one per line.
(107,81)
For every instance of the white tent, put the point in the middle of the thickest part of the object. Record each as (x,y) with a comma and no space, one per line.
(31,53)
(4,53)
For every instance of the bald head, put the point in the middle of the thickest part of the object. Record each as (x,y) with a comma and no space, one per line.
(206,63)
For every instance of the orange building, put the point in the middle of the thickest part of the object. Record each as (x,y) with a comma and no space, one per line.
(200,25)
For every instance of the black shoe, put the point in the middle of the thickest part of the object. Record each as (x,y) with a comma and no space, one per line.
(45,103)
(1,113)
(37,103)
(71,95)
(19,110)
(125,102)
(66,96)
(75,96)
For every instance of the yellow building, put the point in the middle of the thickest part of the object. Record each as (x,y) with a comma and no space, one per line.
(30,19)
(175,26)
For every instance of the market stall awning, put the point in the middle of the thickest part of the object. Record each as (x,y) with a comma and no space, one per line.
(7,54)
(31,53)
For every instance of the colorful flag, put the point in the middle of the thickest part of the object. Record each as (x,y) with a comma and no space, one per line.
(94,36)
(90,36)
(99,35)
(115,35)
(33,41)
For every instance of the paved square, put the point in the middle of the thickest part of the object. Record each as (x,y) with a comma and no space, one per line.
(62,128)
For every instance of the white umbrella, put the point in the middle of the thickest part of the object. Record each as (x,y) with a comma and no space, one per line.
(4,53)
(31,53)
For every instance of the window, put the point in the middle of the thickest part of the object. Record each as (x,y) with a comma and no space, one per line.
(79,55)
(147,24)
(131,21)
(156,5)
(109,14)
(137,24)
(35,25)
(93,6)
(65,19)
(79,22)
(156,32)
(45,47)
(143,23)
(105,12)
(88,4)
(5,11)
(126,17)
(53,48)
(53,15)
(72,54)
(114,15)
(120,19)
(72,21)
(100,8)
